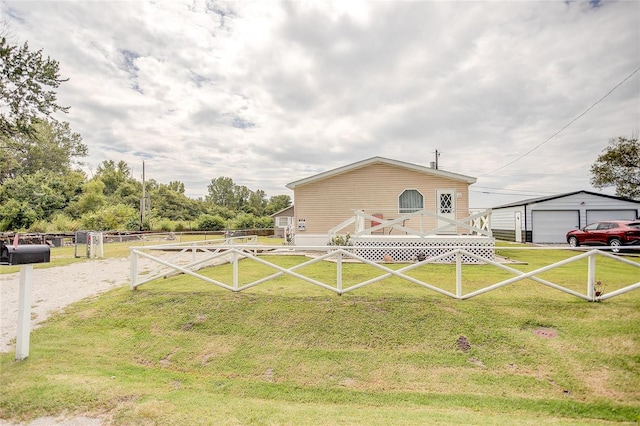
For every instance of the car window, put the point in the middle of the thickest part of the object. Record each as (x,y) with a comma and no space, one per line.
(613,225)
(634,225)
(591,227)
(604,225)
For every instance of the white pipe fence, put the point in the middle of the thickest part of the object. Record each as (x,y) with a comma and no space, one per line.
(233,251)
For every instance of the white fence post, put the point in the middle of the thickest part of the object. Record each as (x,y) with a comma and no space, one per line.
(339,272)
(458,273)
(591,276)
(133,280)
(235,270)
(24,312)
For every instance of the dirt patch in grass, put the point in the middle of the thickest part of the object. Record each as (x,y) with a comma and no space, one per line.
(545,333)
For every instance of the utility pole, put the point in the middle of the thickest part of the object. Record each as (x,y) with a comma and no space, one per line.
(143,201)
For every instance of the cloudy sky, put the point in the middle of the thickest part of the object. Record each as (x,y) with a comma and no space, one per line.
(269,92)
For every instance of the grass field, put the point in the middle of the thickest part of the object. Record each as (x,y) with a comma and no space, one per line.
(180,351)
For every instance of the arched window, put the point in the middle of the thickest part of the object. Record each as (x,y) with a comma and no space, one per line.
(410,201)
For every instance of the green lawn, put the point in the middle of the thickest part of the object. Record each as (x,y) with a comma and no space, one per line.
(181,351)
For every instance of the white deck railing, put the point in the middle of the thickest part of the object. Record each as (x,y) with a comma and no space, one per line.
(234,253)
(475,224)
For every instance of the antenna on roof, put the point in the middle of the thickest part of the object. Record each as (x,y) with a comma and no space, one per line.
(435,163)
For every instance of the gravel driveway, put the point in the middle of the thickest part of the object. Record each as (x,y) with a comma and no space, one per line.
(54,288)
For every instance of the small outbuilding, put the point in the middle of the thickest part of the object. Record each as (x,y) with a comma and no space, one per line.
(282,221)
(548,219)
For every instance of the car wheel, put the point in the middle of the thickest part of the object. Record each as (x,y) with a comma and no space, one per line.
(615,245)
(573,242)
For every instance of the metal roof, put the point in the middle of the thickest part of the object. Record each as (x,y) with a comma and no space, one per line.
(553,197)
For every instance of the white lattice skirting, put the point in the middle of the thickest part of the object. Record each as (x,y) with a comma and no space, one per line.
(409,248)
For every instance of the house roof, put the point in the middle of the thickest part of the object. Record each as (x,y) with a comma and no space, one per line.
(281,211)
(553,197)
(381,160)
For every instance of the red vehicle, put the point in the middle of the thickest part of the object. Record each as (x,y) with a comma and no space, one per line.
(614,233)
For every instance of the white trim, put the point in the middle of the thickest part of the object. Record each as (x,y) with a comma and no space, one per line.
(447,226)
(410,189)
(381,160)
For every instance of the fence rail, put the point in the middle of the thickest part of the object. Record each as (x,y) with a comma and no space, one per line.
(233,251)
(478,223)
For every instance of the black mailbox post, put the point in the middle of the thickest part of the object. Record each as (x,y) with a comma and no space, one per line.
(24,254)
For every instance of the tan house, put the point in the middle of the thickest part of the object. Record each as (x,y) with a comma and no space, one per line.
(380,188)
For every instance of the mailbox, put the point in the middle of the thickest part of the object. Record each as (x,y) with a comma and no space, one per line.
(24,254)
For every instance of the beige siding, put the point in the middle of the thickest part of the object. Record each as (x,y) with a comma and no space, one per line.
(375,189)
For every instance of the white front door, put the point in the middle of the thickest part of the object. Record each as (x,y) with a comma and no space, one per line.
(518,227)
(446,208)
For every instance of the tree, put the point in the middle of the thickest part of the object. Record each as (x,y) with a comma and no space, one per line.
(277,203)
(221,192)
(27,83)
(91,200)
(241,196)
(51,146)
(257,202)
(16,215)
(619,166)
(113,175)
(44,192)
(171,204)
(176,186)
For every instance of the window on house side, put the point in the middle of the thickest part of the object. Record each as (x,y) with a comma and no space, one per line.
(282,221)
(410,201)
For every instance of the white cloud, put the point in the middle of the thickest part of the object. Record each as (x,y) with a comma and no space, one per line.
(271,92)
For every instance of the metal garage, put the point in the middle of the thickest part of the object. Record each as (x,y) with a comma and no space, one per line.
(551,226)
(548,219)
(596,215)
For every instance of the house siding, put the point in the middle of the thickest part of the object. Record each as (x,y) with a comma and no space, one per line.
(374,188)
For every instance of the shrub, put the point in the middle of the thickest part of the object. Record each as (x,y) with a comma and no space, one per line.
(164,225)
(207,222)
(113,217)
(61,222)
(16,216)
(39,226)
(243,221)
(264,222)
(340,240)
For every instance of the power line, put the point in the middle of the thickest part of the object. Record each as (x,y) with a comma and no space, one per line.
(509,193)
(513,190)
(565,126)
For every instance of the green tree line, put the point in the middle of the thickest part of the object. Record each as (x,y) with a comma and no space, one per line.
(42,186)
(55,197)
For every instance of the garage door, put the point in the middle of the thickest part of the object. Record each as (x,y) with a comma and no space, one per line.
(596,215)
(551,226)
